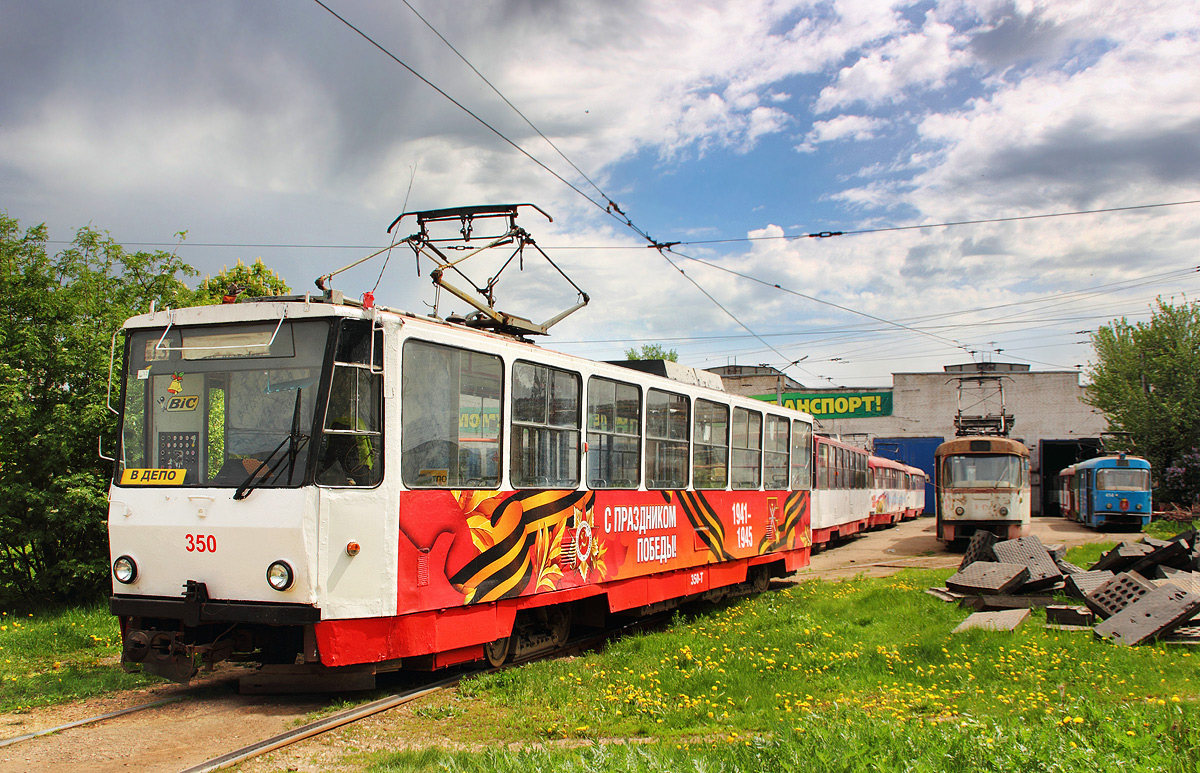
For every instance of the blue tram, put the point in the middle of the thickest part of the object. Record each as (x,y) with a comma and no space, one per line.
(1107,491)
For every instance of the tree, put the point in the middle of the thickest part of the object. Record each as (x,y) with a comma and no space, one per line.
(652,352)
(1146,380)
(256,281)
(58,316)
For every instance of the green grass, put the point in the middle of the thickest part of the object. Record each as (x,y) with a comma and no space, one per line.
(1164,529)
(53,657)
(857,675)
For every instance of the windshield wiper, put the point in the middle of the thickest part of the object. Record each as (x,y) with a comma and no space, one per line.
(294,442)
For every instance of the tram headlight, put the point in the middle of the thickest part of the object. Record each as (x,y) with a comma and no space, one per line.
(959,510)
(125,570)
(1003,511)
(279,575)
(1139,507)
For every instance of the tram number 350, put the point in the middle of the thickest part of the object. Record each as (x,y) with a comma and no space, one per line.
(201,543)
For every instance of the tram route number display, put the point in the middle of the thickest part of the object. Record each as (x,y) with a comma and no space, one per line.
(200,543)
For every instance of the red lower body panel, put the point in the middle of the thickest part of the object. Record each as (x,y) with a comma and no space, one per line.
(457,634)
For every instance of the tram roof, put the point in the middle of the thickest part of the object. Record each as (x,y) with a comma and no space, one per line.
(978,444)
(274,309)
(1113,460)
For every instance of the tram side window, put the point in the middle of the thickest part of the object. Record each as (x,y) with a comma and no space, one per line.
(351,451)
(801,456)
(545,427)
(614,434)
(822,466)
(710,446)
(775,452)
(667,423)
(452,415)
(747,448)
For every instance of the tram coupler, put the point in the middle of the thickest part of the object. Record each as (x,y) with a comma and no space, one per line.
(162,653)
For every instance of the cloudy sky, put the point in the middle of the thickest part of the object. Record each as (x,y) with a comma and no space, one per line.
(272,129)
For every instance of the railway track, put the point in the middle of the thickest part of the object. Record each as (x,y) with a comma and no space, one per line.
(381,705)
(89,720)
(147,754)
(325,724)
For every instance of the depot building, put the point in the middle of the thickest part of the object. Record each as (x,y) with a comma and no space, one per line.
(912,417)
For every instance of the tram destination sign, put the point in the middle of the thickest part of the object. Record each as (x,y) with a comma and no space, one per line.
(836,405)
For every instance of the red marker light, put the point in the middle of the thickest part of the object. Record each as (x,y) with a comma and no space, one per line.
(353,548)
(368,300)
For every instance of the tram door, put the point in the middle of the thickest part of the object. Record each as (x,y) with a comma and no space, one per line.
(357,518)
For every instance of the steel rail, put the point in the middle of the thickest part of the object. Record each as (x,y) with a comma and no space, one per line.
(356,713)
(324,725)
(90,720)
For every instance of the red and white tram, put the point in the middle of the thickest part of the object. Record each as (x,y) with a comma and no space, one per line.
(889,491)
(914,496)
(841,492)
(311,483)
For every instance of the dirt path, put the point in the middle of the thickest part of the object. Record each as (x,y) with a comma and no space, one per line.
(167,738)
(913,545)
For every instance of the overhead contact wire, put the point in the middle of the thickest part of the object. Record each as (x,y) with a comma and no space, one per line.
(457,104)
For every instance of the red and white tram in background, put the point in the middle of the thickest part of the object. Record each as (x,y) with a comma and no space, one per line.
(897,491)
(854,491)
(841,491)
(310,483)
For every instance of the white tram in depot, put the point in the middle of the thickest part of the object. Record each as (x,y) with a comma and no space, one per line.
(331,488)
(841,490)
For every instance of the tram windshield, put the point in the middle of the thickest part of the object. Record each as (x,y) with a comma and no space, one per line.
(982,471)
(221,405)
(1123,480)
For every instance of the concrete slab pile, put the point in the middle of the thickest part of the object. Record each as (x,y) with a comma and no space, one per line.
(1135,593)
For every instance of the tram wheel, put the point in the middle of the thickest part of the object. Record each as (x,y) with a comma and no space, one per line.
(496,652)
(760,579)
(558,621)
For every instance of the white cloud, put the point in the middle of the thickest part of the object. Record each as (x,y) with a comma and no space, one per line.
(239,127)
(924,59)
(855,127)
